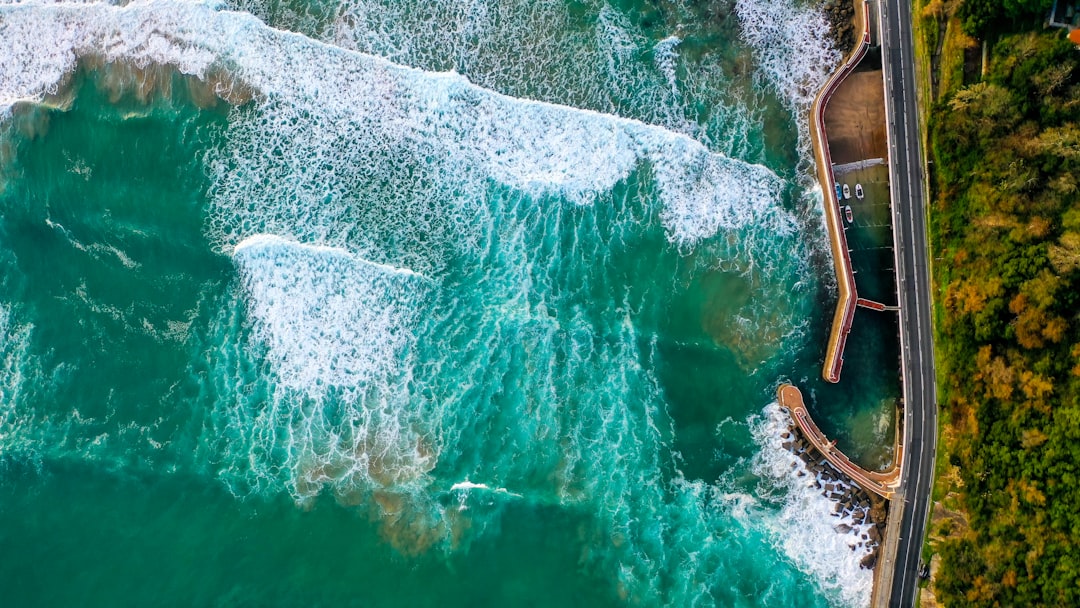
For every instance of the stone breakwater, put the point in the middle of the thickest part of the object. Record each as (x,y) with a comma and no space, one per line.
(864,508)
(841,16)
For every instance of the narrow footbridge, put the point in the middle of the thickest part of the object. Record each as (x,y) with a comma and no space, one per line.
(882,484)
(872,305)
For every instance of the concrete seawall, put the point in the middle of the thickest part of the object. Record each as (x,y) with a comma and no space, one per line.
(883,484)
(845,278)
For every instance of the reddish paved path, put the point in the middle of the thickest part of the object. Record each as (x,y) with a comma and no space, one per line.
(872,305)
(845,307)
(882,484)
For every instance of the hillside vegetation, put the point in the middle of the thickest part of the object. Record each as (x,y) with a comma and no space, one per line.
(1005,223)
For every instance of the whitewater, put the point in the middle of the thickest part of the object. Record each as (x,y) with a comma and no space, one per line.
(466,282)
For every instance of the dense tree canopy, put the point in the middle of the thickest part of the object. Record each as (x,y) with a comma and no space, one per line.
(982,17)
(1006,232)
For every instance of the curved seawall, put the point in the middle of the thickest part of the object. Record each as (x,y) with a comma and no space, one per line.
(845,279)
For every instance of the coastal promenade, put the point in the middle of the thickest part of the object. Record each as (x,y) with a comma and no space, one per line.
(907,485)
(898,582)
(883,484)
(845,278)
(897,572)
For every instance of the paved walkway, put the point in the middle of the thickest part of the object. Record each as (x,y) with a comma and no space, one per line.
(882,484)
(845,278)
(885,484)
(872,305)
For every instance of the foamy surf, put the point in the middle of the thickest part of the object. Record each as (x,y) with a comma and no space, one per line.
(13,350)
(359,111)
(329,319)
(794,58)
(347,359)
(586,57)
(826,546)
(38,55)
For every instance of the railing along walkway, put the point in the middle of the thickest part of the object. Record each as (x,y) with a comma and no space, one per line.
(882,484)
(845,307)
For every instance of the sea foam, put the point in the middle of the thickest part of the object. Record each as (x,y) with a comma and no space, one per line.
(321,356)
(354,108)
(586,57)
(13,350)
(38,54)
(805,528)
(311,368)
(329,319)
(794,59)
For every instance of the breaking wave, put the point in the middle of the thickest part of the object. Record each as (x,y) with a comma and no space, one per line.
(331,118)
(587,56)
(820,542)
(329,320)
(433,279)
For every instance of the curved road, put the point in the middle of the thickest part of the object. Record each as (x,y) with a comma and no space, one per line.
(913,274)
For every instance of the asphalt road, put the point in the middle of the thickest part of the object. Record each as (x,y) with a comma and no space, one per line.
(913,273)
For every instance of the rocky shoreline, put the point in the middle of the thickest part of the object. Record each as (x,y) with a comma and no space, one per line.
(841,16)
(851,501)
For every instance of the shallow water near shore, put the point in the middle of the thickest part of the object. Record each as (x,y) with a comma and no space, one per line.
(293,316)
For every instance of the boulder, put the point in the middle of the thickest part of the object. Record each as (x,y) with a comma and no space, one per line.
(874,534)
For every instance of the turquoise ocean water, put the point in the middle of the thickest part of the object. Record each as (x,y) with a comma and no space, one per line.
(418,303)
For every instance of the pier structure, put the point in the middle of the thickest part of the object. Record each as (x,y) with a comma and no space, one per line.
(856,146)
(884,484)
(845,277)
(872,305)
